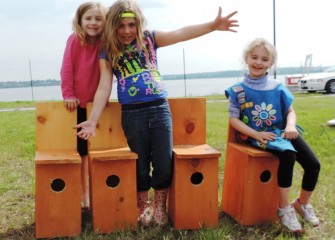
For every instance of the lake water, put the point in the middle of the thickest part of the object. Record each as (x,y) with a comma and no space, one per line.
(176,88)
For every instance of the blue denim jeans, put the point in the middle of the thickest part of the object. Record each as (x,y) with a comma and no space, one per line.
(149,134)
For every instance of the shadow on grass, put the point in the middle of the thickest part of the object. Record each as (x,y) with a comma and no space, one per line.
(265,231)
(26,232)
(227,229)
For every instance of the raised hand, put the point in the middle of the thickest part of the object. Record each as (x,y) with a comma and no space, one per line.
(225,23)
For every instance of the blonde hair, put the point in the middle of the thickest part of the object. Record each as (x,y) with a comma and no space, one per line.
(76,23)
(261,42)
(112,44)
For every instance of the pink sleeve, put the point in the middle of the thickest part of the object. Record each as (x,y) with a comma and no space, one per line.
(66,73)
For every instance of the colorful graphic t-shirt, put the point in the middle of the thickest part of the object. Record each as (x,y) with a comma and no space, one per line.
(264,111)
(138,78)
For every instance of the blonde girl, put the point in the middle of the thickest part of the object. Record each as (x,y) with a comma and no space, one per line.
(130,54)
(80,73)
(261,108)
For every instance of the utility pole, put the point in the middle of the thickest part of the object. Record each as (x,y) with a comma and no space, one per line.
(31,82)
(184,71)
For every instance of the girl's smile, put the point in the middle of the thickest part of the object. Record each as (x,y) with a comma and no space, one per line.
(127,30)
(258,61)
(92,23)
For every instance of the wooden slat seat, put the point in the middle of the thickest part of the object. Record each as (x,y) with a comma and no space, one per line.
(193,196)
(113,171)
(195,151)
(112,174)
(250,194)
(112,154)
(57,172)
(109,147)
(56,157)
(250,150)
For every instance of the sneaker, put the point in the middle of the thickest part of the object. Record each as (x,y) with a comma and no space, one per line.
(289,219)
(306,212)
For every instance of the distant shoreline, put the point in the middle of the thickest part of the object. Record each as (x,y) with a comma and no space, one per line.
(167,77)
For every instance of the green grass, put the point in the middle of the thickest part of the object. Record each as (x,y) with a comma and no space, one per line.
(17,150)
(16,104)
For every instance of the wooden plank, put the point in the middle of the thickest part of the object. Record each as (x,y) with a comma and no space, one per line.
(113,202)
(193,196)
(108,133)
(234,140)
(250,150)
(57,157)
(57,210)
(195,151)
(112,154)
(54,127)
(189,120)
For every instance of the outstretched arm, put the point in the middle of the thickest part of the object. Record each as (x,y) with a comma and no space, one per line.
(100,99)
(193,31)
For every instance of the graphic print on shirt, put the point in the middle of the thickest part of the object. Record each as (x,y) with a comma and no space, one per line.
(137,72)
(264,115)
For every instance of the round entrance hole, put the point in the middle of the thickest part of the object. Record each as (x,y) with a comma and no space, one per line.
(265,176)
(197,178)
(113,181)
(57,185)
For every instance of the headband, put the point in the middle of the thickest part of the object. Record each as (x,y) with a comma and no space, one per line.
(127,14)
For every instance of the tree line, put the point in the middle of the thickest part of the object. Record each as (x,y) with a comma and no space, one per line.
(218,74)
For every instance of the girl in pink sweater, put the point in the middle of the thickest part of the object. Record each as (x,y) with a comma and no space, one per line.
(80,73)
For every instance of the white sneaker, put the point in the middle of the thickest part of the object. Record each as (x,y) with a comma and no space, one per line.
(331,122)
(306,212)
(289,219)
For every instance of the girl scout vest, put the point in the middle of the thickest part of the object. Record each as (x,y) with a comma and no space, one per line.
(263,110)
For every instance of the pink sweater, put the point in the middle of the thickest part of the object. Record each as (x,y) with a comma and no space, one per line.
(80,70)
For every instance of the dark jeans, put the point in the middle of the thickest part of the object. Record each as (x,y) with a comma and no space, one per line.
(305,157)
(148,131)
(82,146)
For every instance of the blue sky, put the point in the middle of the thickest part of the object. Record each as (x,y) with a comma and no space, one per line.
(37,31)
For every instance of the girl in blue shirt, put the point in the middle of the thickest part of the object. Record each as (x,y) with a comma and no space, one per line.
(130,54)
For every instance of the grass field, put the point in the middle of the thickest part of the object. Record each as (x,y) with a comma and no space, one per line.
(17,150)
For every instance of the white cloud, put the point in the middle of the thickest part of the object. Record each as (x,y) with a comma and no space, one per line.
(37,31)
